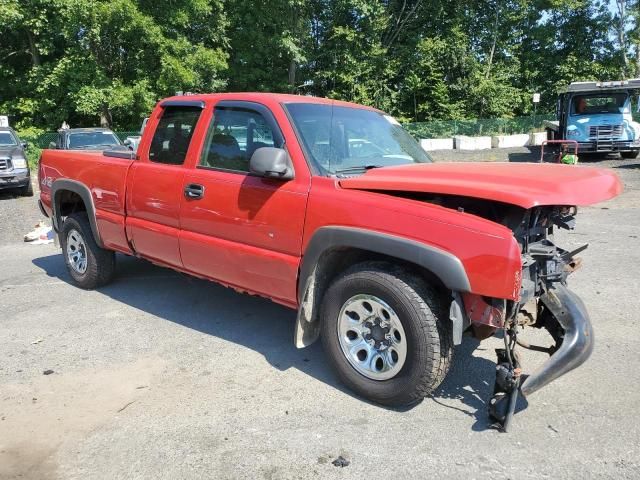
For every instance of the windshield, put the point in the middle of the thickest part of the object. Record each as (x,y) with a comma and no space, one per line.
(351,140)
(92,139)
(598,103)
(7,140)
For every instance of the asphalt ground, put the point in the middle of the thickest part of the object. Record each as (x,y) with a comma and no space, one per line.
(162,376)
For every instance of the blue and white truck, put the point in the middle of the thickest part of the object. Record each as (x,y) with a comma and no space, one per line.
(599,116)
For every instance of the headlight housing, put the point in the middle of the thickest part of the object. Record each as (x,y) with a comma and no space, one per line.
(19,162)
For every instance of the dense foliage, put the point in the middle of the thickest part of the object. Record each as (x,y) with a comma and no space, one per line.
(108,61)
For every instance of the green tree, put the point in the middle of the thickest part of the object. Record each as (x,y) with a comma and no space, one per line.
(85,61)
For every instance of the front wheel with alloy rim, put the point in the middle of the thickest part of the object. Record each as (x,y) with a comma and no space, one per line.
(89,265)
(386,333)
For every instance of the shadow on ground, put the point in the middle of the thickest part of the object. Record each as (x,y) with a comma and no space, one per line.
(533,155)
(534,152)
(632,166)
(264,327)
(9,194)
(470,381)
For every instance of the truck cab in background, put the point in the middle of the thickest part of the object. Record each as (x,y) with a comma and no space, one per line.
(598,115)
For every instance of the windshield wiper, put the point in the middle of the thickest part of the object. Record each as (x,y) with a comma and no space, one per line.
(356,169)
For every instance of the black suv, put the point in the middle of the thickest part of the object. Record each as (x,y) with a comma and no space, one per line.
(14,169)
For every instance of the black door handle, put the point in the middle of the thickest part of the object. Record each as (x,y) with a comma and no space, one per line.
(193,190)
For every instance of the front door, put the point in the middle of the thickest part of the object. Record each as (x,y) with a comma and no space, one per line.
(155,189)
(242,230)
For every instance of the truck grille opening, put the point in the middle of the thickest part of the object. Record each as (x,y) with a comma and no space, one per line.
(4,164)
(597,132)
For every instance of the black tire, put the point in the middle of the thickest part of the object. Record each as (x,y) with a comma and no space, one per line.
(100,263)
(421,311)
(27,190)
(629,155)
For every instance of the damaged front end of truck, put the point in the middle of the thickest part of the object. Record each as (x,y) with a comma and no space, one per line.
(544,302)
(531,201)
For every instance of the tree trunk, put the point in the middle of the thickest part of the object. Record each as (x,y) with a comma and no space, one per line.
(292,75)
(493,45)
(105,117)
(35,54)
(622,40)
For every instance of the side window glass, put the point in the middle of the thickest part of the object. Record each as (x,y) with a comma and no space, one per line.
(234,134)
(173,135)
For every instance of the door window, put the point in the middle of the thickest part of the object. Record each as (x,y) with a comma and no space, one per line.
(235,133)
(173,134)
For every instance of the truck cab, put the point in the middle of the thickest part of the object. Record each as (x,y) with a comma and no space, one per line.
(598,115)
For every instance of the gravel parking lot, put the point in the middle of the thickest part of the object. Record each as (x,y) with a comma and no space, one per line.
(163,376)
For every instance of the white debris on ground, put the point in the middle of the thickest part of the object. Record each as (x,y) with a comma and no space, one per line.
(41,234)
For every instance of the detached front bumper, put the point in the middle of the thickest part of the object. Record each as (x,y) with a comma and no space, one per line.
(575,341)
(15,178)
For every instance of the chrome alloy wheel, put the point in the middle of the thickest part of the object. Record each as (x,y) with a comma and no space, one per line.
(372,337)
(76,251)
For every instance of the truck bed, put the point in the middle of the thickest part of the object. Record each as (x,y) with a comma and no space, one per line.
(106,179)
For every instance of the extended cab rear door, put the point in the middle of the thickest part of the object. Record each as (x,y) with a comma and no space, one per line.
(240,229)
(156,186)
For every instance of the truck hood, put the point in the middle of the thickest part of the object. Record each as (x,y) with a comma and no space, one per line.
(11,151)
(524,184)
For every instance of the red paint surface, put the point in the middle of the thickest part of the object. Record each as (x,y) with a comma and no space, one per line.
(524,184)
(251,233)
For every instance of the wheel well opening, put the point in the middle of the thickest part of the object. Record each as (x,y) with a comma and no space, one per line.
(68,202)
(337,260)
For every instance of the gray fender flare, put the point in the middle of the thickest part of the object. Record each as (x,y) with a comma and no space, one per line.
(85,194)
(446,266)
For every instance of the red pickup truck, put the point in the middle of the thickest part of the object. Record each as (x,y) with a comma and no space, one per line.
(332,209)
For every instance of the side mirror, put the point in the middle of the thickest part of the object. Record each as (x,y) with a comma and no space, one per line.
(25,144)
(119,152)
(271,162)
(52,145)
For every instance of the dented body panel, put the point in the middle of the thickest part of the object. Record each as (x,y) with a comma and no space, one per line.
(523,184)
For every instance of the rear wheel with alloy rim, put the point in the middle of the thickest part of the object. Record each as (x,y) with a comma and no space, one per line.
(76,252)
(386,333)
(89,265)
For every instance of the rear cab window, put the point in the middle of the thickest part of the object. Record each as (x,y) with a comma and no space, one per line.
(173,134)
